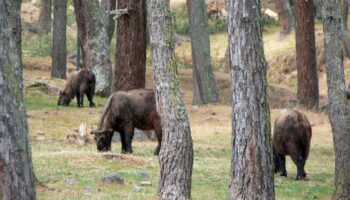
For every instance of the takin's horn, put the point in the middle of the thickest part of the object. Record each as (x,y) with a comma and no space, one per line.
(97,131)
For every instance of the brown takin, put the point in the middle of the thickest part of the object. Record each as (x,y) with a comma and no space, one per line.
(292,136)
(80,83)
(125,111)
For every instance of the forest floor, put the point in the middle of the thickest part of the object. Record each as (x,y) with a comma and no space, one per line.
(69,168)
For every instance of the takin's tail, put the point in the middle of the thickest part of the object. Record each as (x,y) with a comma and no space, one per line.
(104,112)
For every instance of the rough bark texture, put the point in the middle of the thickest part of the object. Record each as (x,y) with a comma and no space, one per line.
(345,37)
(59,47)
(339,113)
(45,19)
(176,154)
(251,175)
(94,43)
(308,95)
(109,22)
(285,17)
(15,24)
(130,62)
(16,170)
(204,87)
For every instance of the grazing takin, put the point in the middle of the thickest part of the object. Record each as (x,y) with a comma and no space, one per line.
(125,111)
(292,136)
(81,82)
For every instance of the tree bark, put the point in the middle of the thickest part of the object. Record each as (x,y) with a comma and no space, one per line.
(15,24)
(94,43)
(339,113)
(59,47)
(204,87)
(176,154)
(308,95)
(108,5)
(251,175)
(130,62)
(344,7)
(285,17)
(45,19)
(16,170)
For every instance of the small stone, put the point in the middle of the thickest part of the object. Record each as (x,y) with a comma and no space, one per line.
(143,174)
(71,181)
(111,178)
(137,188)
(145,183)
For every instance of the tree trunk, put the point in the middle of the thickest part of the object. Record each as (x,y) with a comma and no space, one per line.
(45,19)
(59,47)
(308,95)
(16,170)
(130,62)
(204,87)
(345,37)
(108,5)
(339,113)
(15,24)
(344,5)
(285,17)
(176,154)
(94,43)
(251,175)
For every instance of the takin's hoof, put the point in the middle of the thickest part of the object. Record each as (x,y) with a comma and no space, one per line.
(283,174)
(92,105)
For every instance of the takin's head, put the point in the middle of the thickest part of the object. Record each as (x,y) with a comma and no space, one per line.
(64,99)
(103,139)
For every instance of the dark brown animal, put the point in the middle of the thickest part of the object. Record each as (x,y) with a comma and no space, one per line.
(81,82)
(125,111)
(292,136)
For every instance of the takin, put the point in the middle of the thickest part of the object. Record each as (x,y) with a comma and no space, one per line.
(81,82)
(125,111)
(291,136)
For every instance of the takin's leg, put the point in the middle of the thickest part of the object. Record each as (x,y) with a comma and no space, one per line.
(82,89)
(276,162)
(158,131)
(283,165)
(90,94)
(122,139)
(299,162)
(129,134)
(78,99)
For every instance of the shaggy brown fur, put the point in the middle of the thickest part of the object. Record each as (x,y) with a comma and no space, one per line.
(125,111)
(292,136)
(81,82)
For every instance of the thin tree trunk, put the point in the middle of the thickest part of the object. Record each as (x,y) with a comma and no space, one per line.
(108,5)
(94,43)
(176,154)
(204,87)
(251,175)
(339,113)
(285,17)
(308,95)
(344,7)
(45,19)
(59,47)
(130,62)
(16,170)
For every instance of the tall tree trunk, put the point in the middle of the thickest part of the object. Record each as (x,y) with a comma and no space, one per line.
(339,113)
(176,154)
(344,5)
(285,17)
(59,47)
(204,87)
(130,62)
(15,24)
(308,95)
(16,170)
(45,19)
(108,5)
(94,43)
(251,174)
